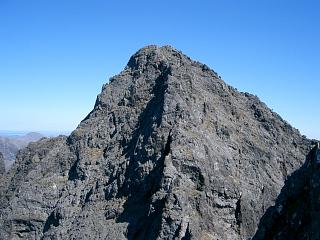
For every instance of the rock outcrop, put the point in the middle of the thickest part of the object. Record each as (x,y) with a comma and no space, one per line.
(170,151)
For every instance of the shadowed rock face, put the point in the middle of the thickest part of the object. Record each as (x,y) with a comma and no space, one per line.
(169,152)
(2,166)
(296,214)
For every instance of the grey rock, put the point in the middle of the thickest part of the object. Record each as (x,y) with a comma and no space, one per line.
(296,214)
(2,166)
(170,151)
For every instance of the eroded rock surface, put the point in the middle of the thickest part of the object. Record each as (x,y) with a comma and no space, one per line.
(169,151)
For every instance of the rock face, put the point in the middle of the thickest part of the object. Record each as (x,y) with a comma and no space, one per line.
(9,146)
(169,152)
(296,214)
(2,166)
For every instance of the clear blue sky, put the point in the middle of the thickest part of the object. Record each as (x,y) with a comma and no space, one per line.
(55,55)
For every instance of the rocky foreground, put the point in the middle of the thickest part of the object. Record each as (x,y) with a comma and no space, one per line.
(170,151)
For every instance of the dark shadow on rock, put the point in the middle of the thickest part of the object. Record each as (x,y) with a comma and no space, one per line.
(52,220)
(296,213)
(141,211)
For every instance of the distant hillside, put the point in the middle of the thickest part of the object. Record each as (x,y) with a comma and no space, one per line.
(10,145)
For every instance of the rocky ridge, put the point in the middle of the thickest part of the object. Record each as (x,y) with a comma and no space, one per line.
(170,151)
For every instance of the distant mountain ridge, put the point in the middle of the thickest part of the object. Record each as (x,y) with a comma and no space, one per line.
(10,145)
(8,133)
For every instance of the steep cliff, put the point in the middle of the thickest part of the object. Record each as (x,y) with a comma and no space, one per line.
(296,214)
(169,151)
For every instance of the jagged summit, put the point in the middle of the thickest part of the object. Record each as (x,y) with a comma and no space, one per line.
(151,60)
(170,151)
(154,54)
(165,55)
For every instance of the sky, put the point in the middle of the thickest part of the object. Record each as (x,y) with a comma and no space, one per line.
(55,55)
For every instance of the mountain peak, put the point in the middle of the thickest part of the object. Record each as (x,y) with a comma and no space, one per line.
(169,151)
(165,55)
(153,54)
(153,66)
(157,50)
